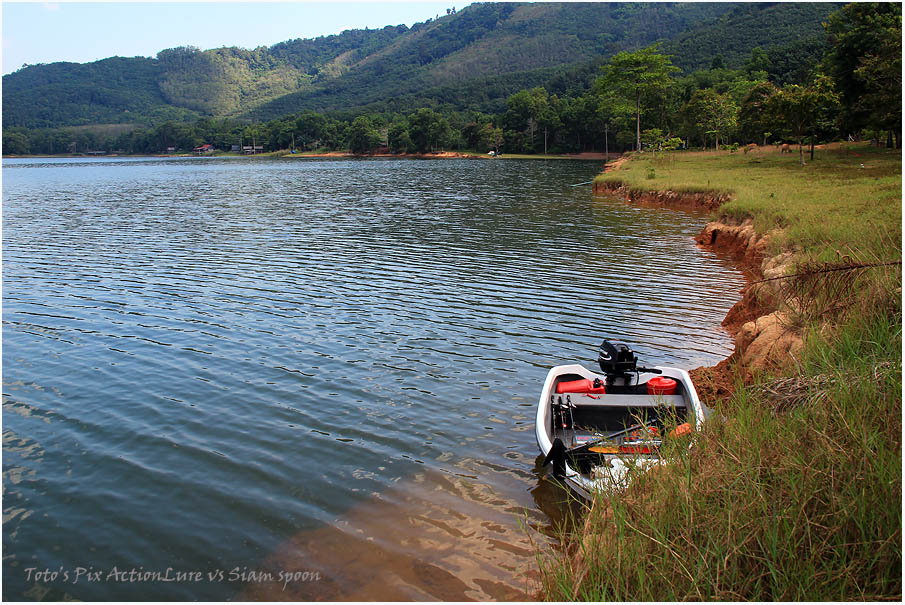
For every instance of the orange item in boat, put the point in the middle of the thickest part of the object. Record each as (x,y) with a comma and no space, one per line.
(661,386)
(682,429)
(580,386)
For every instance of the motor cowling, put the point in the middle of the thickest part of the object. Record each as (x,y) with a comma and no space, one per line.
(616,359)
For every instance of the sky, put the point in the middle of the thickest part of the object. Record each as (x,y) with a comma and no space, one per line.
(46,32)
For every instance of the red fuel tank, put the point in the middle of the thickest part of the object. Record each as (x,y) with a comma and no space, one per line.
(661,386)
(581,386)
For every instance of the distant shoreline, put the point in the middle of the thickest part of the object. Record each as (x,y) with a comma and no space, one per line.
(440,155)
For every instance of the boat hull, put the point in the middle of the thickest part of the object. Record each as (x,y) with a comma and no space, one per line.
(629,399)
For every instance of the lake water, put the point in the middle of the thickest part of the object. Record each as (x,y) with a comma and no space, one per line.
(248,367)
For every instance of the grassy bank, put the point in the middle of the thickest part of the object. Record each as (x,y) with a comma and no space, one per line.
(848,197)
(793,490)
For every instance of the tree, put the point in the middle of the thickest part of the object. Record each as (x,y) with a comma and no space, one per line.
(754,120)
(882,76)
(15,143)
(363,136)
(165,136)
(309,129)
(493,137)
(711,113)
(722,117)
(865,60)
(399,139)
(428,129)
(609,114)
(471,132)
(653,138)
(804,110)
(636,76)
(333,134)
(759,62)
(529,112)
(254,135)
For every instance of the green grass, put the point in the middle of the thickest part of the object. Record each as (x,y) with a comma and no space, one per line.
(793,491)
(830,204)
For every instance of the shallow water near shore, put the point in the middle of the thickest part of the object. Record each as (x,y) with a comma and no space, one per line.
(250,367)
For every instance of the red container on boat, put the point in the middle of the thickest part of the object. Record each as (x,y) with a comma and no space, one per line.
(661,386)
(580,386)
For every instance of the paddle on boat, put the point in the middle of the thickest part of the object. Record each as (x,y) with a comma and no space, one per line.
(598,430)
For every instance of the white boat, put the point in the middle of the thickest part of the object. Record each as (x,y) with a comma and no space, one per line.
(600,430)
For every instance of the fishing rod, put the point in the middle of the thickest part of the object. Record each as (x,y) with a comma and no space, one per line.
(559,453)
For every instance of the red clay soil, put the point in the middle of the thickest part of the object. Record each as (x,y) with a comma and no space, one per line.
(614,165)
(747,248)
(701,200)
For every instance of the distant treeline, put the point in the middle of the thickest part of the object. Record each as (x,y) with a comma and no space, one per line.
(637,98)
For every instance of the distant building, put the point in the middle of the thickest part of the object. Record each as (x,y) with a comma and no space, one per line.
(204,149)
(249,149)
(171,150)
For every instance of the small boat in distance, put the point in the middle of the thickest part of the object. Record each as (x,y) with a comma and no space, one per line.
(599,430)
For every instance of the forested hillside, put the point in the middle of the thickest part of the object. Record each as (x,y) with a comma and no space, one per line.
(792,30)
(512,44)
(471,60)
(111,90)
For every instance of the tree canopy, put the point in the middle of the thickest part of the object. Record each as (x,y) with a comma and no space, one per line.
(644,74)
(865,60)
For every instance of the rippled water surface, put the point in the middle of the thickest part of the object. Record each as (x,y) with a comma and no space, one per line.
(255,366)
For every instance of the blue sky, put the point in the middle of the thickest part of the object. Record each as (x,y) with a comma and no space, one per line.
(45,32)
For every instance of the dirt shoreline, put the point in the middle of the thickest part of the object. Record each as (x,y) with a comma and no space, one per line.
(763,336)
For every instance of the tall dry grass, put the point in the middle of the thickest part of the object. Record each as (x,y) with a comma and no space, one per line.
(793,491)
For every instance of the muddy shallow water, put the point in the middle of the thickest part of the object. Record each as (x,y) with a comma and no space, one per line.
(233,369)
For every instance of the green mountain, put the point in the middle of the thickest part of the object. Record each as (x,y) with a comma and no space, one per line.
(474,58)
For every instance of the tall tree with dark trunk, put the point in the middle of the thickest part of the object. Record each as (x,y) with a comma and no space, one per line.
(805,110)
(711,113)
(642,75)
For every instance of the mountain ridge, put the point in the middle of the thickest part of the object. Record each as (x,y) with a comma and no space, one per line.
(505,46)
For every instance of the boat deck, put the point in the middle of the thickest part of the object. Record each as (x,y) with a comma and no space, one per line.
(593,417)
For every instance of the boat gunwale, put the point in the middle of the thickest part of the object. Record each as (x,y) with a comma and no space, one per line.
(576,481)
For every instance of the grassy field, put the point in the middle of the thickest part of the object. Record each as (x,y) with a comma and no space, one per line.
(849,197)
(793,491)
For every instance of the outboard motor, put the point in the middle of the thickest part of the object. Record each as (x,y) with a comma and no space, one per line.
(617,360)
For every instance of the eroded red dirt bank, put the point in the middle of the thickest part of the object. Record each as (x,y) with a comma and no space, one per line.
(764,337)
